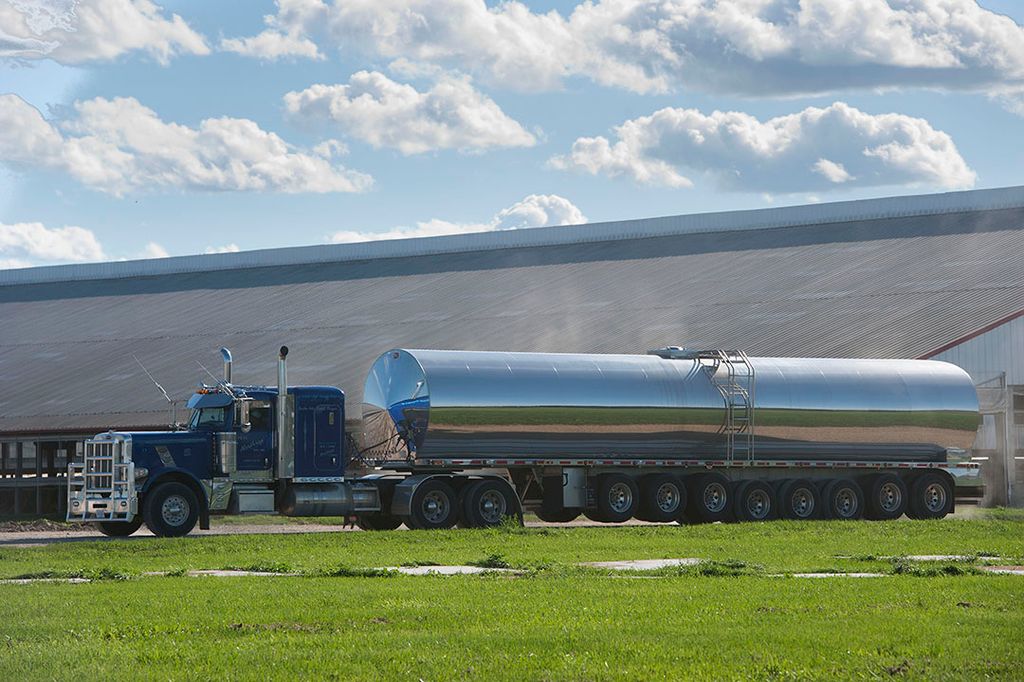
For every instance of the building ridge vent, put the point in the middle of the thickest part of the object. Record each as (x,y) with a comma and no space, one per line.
(695,223)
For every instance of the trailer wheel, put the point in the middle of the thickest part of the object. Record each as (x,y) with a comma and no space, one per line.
(886,497)
(489,502)
(710,498)
(755,501)
(170,509)
(378,521)
(434,506)
(617,498)
(799,500)
(119,529)
(662,498)
(843,500)
(931,496)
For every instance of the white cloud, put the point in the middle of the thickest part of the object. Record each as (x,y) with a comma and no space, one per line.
(118,146)
(815,149)
(152,250)
(227,248)
(27,244)
(377,110)
(79,31)
(749,47)
(535,210)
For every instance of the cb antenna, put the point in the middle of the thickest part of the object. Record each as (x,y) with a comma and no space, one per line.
(174,406)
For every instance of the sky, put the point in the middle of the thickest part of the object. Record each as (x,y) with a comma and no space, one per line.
(141,129)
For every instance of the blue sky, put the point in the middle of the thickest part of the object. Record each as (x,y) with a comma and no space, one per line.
(134,129)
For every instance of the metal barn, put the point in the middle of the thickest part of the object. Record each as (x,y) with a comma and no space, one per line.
(933,276)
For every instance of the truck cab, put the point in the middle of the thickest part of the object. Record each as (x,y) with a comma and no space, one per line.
(245,449)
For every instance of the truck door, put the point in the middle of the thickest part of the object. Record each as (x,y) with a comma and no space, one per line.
(319,423)
(255,447)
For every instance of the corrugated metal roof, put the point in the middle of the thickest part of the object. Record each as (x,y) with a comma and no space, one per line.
(885,287)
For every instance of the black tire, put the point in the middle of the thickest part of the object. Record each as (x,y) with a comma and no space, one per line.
(170,509)
(594,515)
(434,506)
(885,497)
(799,500)
(931,496)
(378,521)
(119,529)
(617,497)
(662,498)
(755,501)
(559,516)
(709,498)
(843,499)
(487,503)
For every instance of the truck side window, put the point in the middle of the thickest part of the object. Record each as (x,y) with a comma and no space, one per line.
(259,417)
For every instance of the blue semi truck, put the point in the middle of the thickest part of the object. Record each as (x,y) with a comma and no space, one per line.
(472,439)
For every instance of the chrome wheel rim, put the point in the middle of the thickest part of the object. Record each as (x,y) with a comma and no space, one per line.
(435,507)
(935,497)
(802,503)
(714,497)
(620,497)
(890,497)
(175,510)
(759,504)
(492,506)
(846,503)
(667,497)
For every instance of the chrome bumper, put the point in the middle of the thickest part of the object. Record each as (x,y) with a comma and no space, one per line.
(101,480)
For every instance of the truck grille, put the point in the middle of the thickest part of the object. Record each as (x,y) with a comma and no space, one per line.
(101,480)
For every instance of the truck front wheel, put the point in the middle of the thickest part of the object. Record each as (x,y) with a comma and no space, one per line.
(170,509)
(119,529)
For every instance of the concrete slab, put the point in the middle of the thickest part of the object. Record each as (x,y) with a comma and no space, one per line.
(235,574)
(1004,570)
(640,564)
(836,575)
(448,570)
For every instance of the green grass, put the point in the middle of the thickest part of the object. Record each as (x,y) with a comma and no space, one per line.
(726,619)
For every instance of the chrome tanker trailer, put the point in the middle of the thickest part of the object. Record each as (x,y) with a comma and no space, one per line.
(680,434)
(473,438)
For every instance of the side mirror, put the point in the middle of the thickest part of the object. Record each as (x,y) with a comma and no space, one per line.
(244,424)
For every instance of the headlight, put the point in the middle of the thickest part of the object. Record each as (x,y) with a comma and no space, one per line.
(141,472)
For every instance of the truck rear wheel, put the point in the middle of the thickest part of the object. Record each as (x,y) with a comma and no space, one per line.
(378,521)
(931,496)
(843,499)
(170,509)
(886,497)
(662,498)
(119,529)
(434,506)
(488,503)
(799,500)
(617,498)
(710,498)
(755,501)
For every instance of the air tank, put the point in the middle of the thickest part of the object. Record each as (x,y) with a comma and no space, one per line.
(432,404)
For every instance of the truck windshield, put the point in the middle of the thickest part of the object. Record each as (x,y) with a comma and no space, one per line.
(209,418)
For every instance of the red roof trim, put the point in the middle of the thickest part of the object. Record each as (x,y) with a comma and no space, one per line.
(987,328)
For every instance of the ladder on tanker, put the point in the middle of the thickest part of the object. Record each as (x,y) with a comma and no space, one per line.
(731,372)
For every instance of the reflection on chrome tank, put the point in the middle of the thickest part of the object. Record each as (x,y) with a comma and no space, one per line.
(437,404)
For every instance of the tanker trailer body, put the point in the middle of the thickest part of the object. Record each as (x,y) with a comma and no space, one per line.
(617,424)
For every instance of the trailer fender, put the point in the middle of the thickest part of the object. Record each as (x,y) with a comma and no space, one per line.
(401,500)
(187,478)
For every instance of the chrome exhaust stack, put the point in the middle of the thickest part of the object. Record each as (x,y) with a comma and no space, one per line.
(226,355)
(285,428)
